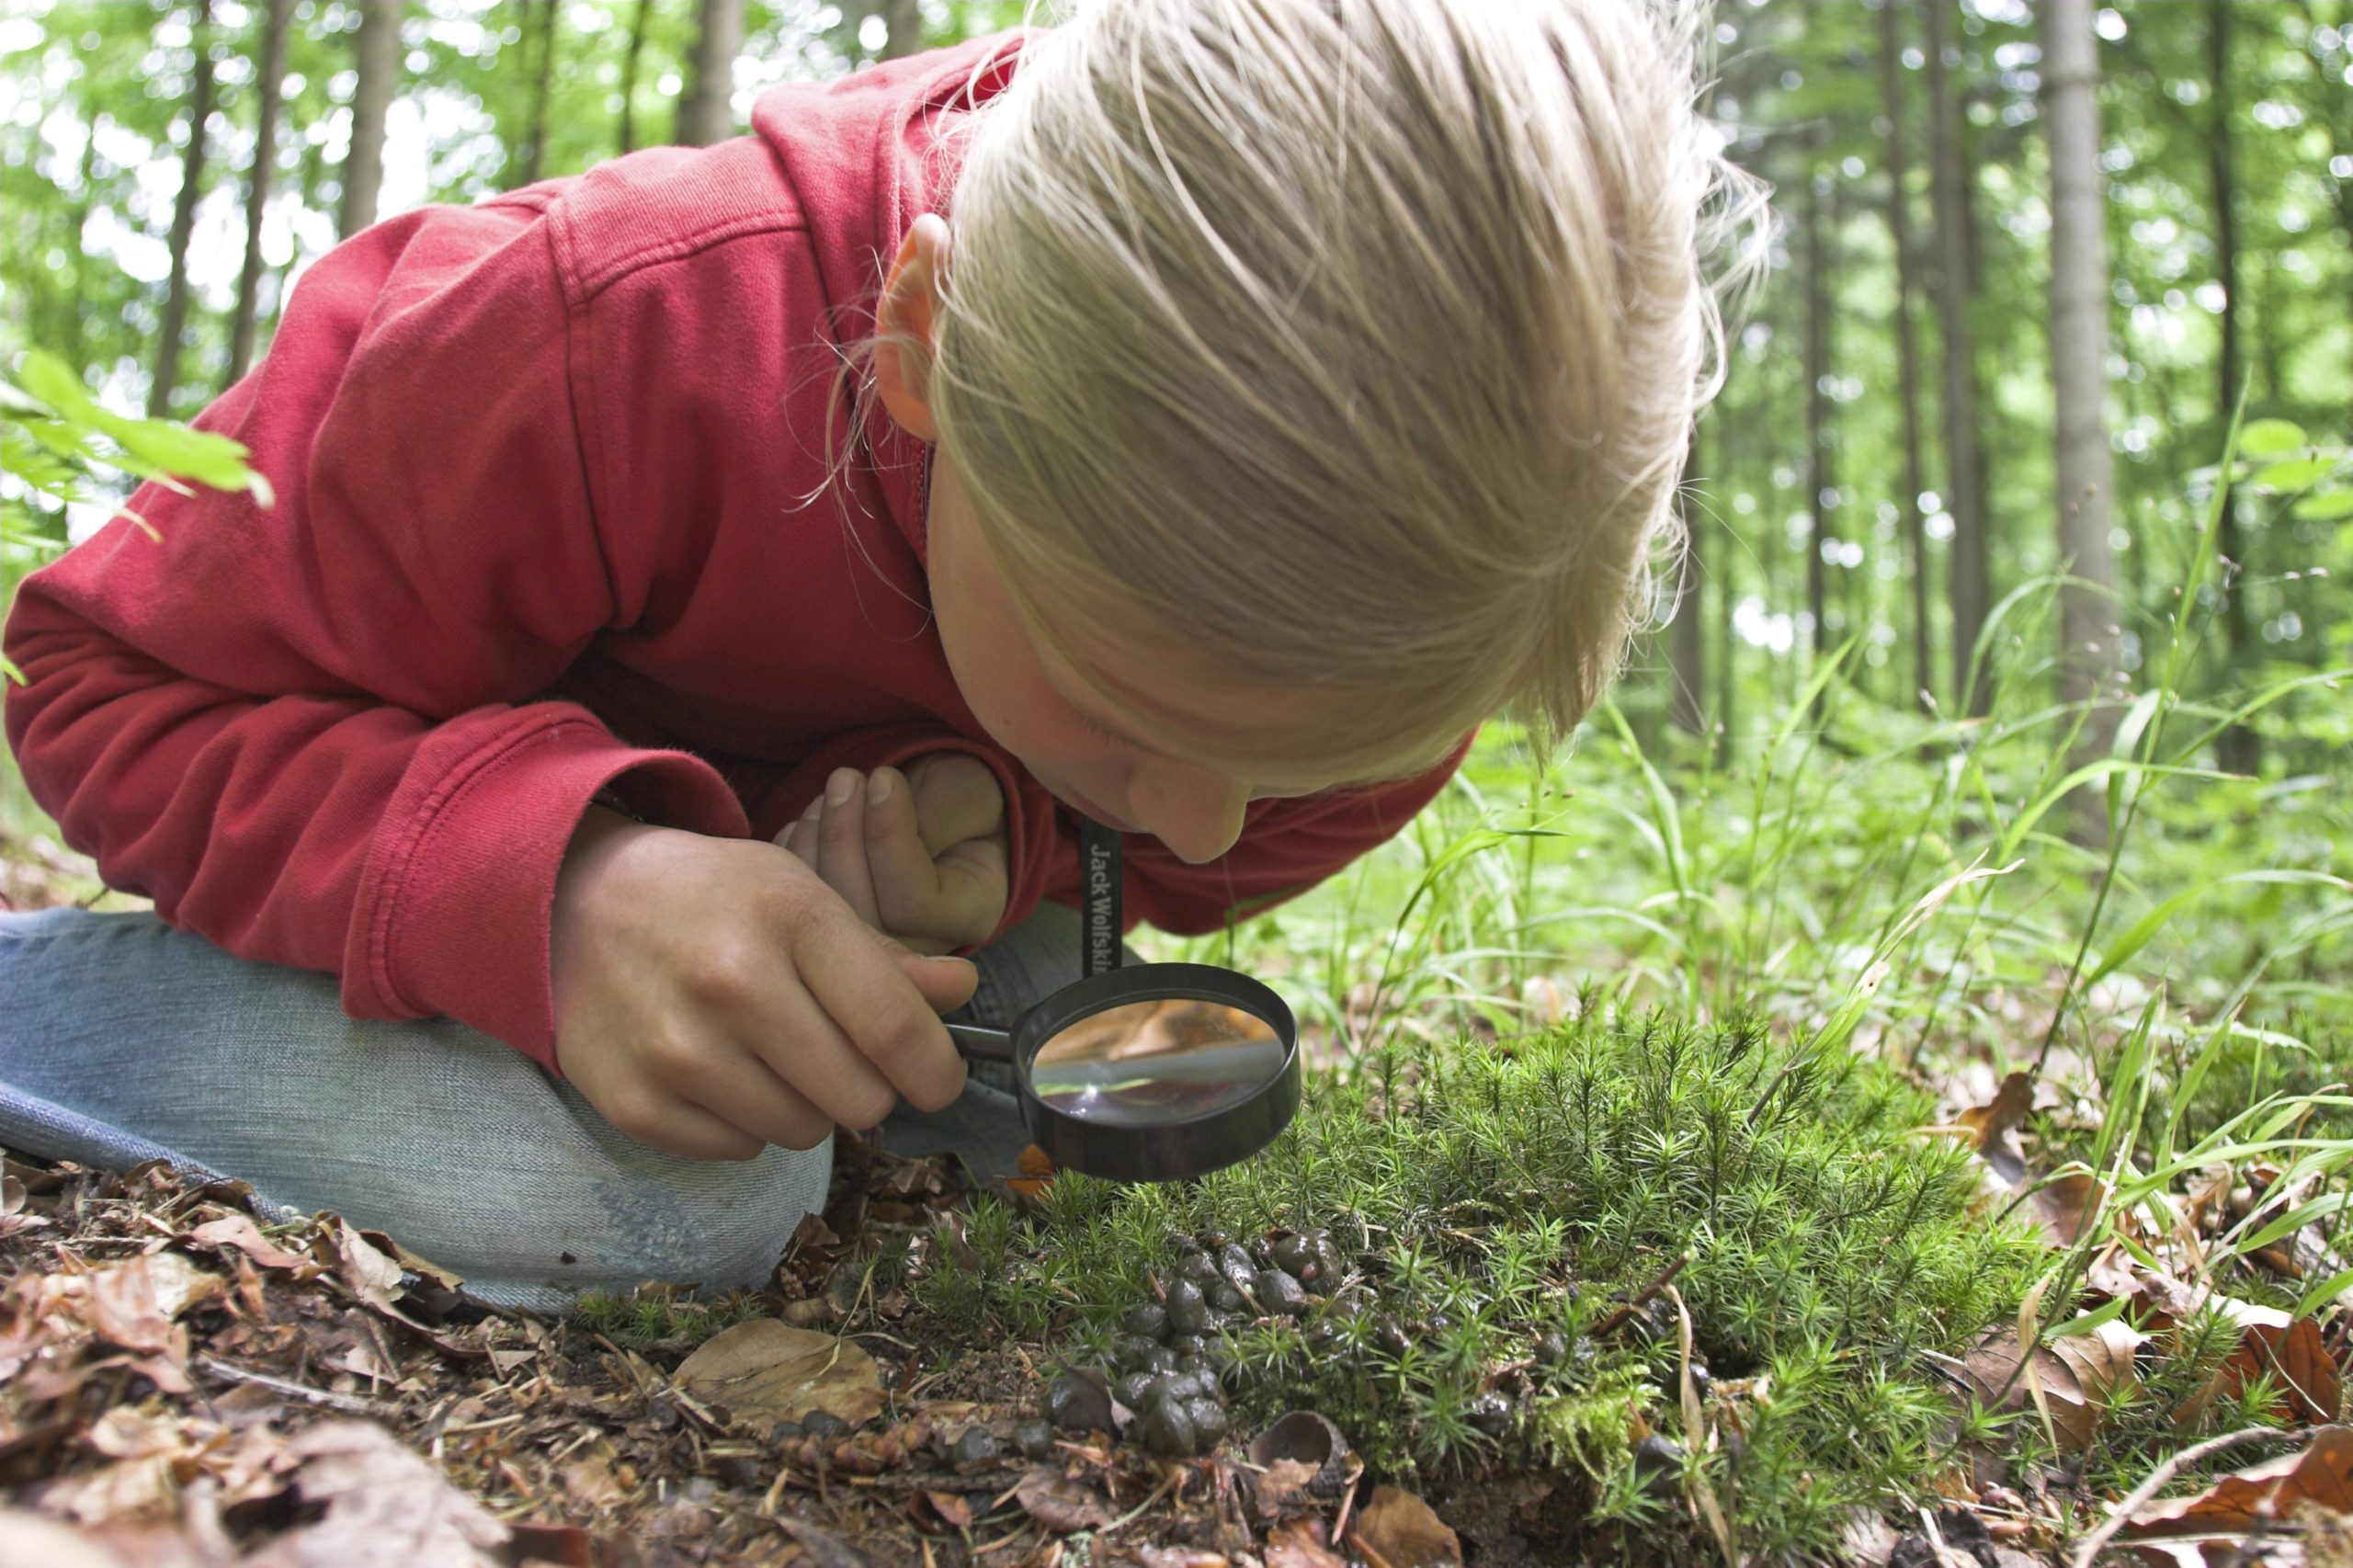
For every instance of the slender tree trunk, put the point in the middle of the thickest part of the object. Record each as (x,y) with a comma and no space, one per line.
(78,218)
(1687,651)
(1821,476)
(905,18)
(275,16)
(1907,349)
(2239,749)
(629,74)
(199,109)
(708,114)
(376,62)
(1970,575)
(2086,480)
(535,148)
(2339,136)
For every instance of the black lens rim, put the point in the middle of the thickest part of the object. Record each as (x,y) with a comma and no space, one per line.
(1176,1151)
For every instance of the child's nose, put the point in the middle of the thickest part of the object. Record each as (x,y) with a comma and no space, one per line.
(1197,813)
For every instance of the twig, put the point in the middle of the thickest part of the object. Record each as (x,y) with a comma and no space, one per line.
(1617,1320)
(1175,1475)
(351,1405)
(2097,1542)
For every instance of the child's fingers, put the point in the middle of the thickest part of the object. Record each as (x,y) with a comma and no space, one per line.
(841,843)
(905,883)
(956,798)
(801,837)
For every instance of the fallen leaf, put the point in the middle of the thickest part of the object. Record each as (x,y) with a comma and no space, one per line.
(564,1546)
(2238,1502)
(132,1491)
(132,1303)
(1037,1171)
(2077,1376)
(385,1507)
(1301,1544)
(2008,1106)
(1060,1504)
(1397,1529)
(952,1507)
(764,1371)
(1279,1489)
(822,1551)
(2287,1350)
(372,1275)
(1172,1557)
(238,1230)
(2065,1206)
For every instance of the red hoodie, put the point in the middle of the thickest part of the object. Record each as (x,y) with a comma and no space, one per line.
(544,468)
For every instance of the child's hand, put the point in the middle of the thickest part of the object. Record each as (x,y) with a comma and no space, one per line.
(920,854)
(713,996)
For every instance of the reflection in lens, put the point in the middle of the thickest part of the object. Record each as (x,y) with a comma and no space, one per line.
(1151,1063)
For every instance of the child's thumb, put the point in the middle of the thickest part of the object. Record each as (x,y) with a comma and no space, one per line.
(944,983)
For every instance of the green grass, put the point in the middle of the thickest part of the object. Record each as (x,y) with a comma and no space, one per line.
(1489,1197)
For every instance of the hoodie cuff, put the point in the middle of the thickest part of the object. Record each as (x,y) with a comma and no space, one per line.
(455,907)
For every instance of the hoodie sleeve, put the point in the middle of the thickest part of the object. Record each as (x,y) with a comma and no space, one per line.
(310,734)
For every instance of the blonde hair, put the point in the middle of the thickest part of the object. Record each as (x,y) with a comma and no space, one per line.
(1342,348)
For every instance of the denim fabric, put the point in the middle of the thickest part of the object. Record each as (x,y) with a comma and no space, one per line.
(122,1039)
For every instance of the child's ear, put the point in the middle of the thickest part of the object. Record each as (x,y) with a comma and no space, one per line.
(903,327)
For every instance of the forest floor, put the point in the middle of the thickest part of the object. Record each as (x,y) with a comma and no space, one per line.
(185,1381)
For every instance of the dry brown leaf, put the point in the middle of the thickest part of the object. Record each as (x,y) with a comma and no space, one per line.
(2008,1106)
(821,1549)
(1301,1544)
(133,1303)
(2320,1476)
(2065,1206)
(954,1509)
(1172,1557)
(1397,1529)
(372,1275)
(30,1541)
(2287,1350)
(764,1371)
(385,1507)
(1279,1488)
(238,1230)
(2077,1376)
(129,1491)
(1061,1503)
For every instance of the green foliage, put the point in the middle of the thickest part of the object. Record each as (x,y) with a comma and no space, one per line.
(654,1315)
(1489,1197)
(58,445)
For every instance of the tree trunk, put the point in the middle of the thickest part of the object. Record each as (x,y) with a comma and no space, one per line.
(629,74)
(905,18)
(2339,141)
(708,113)
(273,77)
(1907,350)
(1969,576)
(77,218)
(535,148)
(2239,749)
(1687,651)
(199,109)
(1821,476)
(376,61)
(2079,298)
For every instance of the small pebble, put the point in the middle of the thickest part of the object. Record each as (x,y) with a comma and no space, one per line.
(1491,1414)
(1149,1320)
(786,1432)
(1553,1348)
(1077,1402)
(1659,1462)
(1167,1428)
(1188,1314)
(1239,1268)
(1133,1352)
(977,1447)
(1133,1390)
(1199,1270)
(1228,1297)
(1188,1344)
(1160,1359)
(1390,1337)
(1280,1294)
(1034,1438)
(1209,1420)
(823,1423)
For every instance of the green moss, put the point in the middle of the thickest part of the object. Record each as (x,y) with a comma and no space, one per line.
(662,1316)
(1488,1196)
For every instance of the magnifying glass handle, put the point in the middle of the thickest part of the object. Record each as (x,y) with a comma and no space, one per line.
(985,1044)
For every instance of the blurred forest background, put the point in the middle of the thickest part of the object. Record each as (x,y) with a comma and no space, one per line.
(1968,459)
(1880,465)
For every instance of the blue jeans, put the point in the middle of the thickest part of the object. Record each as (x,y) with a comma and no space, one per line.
(122,1039)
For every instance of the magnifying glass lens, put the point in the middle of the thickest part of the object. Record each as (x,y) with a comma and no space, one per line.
(1153,1062)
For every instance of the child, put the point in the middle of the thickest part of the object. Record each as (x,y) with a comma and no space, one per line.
(644,664)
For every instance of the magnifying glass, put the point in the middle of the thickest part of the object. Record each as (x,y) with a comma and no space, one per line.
(1159,1072)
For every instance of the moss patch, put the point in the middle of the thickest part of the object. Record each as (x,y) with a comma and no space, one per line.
(1503,1207)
